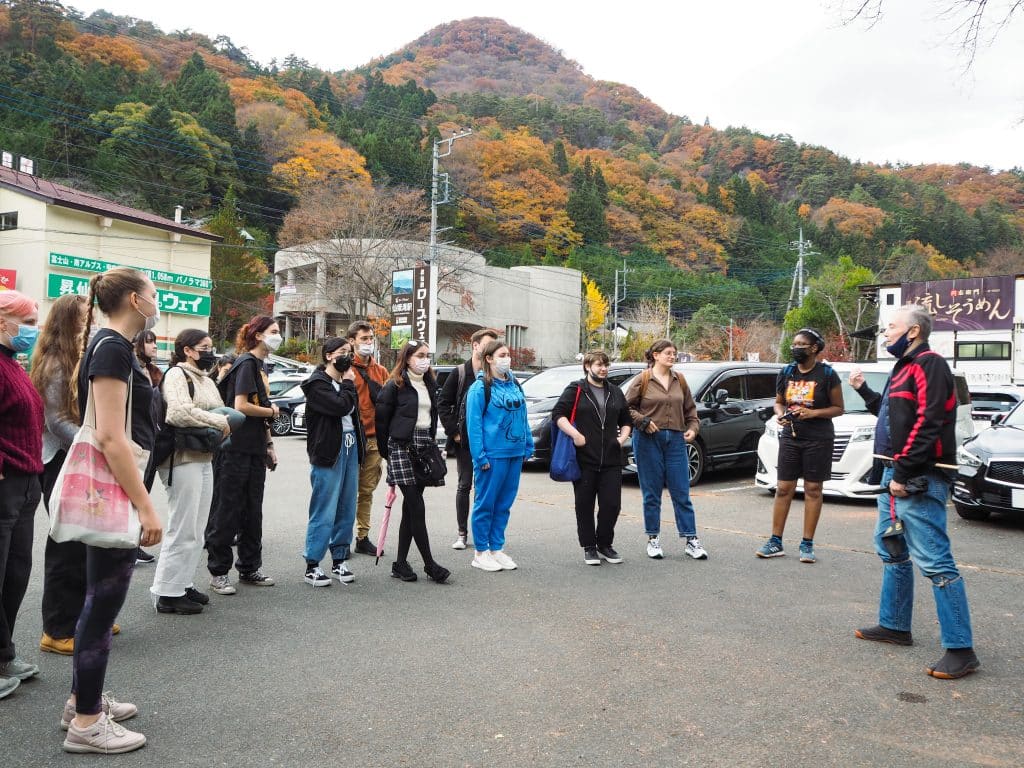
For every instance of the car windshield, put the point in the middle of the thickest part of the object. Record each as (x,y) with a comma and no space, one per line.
(1016,417)
(992,402)
(551,383)
(854,403)
(295,391)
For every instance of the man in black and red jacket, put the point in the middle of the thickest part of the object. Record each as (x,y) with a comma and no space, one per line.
(916,430)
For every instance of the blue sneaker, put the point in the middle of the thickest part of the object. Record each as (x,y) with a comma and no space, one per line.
(807,553)
(771,548)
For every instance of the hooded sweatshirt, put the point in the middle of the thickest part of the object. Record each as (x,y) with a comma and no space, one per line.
(500,431)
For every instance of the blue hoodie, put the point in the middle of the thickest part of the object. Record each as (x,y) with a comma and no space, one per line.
(502,431)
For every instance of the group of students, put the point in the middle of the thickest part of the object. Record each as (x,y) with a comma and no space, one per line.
(358,414)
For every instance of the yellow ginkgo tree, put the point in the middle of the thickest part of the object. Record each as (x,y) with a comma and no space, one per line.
(596,306)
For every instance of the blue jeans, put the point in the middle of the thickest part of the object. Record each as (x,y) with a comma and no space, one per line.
(924,523)
(661,460)
(332,505)
(496,490)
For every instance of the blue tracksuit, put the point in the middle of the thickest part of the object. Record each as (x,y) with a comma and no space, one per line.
(499,437)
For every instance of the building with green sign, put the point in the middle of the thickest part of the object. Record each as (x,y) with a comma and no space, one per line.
(54,239)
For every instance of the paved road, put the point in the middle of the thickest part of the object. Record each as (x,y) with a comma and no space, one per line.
(731,662)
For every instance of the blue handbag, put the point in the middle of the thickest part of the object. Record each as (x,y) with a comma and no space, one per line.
(564,467)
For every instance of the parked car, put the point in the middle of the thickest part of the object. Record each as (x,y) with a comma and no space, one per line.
(279,383)
(732,398)
(286,404)
(855,436)
(990,477)
(987,400)
(299,419)
(542,391)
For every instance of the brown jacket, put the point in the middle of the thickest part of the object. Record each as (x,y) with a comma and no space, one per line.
(673,408)
(378,374)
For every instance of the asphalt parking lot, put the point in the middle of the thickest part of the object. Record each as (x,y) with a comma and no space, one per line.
(734,661)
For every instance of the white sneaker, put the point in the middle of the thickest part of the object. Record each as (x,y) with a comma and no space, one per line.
(460,543)
(694,548)
(104,737)
(222,585)
(342,573)
(485,562)
(506,562)
(111,707)
(654,548)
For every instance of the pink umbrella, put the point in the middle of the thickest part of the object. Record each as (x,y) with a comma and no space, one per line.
(389,499)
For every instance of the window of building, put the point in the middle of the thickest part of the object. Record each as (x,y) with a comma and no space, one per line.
(8,221)
(983,350)
(515,336)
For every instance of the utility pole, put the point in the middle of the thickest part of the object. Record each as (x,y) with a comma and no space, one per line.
(730,338)
(668,316)
(436,181)
(615,327)
(803,249)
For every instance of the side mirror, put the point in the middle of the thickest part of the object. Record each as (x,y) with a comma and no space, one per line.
(721,396)
(997,418)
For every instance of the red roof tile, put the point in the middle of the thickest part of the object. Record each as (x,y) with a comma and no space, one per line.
(66,197)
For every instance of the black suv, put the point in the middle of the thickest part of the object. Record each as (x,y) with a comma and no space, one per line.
(732,400)
(543,390)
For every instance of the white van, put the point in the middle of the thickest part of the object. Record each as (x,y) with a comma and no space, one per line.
(855,435)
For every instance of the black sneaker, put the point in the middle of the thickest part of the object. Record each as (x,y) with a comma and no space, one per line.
(142,557)
(366,547)
(196,596)
(403,571)
(437,572)
(590,556)
(881,634)
(315,577)
(609,554)
(256,578)
(180,605)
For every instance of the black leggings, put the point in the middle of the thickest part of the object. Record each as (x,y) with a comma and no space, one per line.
(108,573)
(414,524)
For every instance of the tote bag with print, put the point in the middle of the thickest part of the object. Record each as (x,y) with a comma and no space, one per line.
(88,504)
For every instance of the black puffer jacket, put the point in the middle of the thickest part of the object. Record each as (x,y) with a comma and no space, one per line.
(325,407)
(397,409)
(602,448)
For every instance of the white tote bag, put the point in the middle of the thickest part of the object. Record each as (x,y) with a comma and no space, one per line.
(87,503)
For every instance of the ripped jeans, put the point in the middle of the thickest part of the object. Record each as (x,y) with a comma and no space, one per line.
(924,523)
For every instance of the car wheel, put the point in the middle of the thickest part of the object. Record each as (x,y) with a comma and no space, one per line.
(282,425)
(697,460)
(971,513)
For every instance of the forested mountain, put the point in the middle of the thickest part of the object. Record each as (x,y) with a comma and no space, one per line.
(560,168)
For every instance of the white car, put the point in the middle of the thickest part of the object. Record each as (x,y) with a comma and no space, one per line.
(855,436)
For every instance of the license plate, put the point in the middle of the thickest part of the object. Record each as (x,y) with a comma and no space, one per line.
(1017,500)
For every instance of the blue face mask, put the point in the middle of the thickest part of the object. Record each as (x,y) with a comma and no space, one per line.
(898,348)
(27,335)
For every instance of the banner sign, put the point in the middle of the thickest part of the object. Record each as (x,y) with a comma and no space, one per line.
(421,305)
(401,307)
(965,304)
(156,275)
(170,301)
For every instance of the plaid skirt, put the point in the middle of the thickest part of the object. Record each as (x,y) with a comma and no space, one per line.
(400,470)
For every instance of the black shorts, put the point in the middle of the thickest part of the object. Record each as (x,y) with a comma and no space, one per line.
(807,459)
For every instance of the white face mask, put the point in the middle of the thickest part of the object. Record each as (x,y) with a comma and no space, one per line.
(420,365)
(273,341)
(151,320)
(503,364)
(366,349)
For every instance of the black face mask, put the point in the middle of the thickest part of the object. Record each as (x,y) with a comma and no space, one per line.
(800,354)
(342,363)
(206,361)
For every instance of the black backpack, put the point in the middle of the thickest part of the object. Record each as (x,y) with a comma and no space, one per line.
(166,434)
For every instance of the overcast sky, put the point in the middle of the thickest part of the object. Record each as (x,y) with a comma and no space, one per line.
(894,92)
